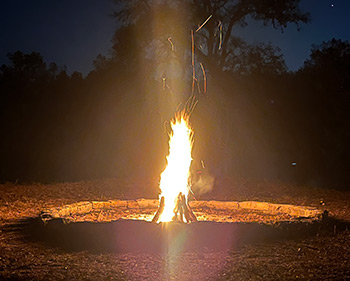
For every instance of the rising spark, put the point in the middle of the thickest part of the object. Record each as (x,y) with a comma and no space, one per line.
(220,36)
(200,27)
(193,67)
(172,44)
(204,78)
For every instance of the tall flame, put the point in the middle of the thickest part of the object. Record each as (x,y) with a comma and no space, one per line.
(175,177)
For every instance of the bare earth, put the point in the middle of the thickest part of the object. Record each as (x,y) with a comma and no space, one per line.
(320,257)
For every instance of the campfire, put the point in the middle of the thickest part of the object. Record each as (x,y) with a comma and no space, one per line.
(232,221)
(175,179)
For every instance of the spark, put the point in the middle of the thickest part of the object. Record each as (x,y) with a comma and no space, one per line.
(204,77)
(171,43)
(220,28)
(198,86)
(171,92)
(193,68)
(200,27)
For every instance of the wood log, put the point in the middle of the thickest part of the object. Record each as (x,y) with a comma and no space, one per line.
(160,210)
(182,211)
(185,209)
(192,216)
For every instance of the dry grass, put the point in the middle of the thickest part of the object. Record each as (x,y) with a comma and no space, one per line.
(318,258)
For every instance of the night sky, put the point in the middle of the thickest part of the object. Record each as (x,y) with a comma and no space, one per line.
(73,33)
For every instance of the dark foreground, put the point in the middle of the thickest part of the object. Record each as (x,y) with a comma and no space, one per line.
(320,256)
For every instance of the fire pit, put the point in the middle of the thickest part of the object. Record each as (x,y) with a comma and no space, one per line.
(174,223)
(215,211)
(126,225)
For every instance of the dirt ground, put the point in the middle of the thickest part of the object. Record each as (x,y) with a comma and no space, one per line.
(321,257)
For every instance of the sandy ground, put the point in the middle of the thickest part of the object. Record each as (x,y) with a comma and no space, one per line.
(320,257)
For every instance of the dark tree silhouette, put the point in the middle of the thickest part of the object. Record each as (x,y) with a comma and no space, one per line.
(325,99)
(216,44)
(258,58)
(255,120)
(330,59)
(155,36)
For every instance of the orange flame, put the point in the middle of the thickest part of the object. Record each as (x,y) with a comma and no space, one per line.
(175,178)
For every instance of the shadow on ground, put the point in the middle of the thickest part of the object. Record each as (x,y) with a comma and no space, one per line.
(133,235)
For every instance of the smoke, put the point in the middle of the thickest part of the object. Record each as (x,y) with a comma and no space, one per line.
(203,184)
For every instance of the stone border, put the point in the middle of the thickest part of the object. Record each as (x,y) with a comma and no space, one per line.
(84,207)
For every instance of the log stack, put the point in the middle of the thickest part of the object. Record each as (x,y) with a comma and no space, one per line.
(182,211)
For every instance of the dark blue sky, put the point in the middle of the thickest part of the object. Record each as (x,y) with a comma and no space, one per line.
(74,32)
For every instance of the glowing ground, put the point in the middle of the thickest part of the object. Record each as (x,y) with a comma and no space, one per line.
(214,211)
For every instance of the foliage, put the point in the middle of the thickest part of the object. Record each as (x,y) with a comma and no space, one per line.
(330,59)
(255,120)
(216,45)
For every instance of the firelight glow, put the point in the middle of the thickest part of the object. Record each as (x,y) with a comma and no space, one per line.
(176,176)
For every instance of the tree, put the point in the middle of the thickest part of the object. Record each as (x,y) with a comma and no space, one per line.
(28,68)
(331,60)
(257,59)
(158,34)
(324,94)
(216,46)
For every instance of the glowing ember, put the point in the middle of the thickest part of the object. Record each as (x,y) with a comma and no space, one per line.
(175,177)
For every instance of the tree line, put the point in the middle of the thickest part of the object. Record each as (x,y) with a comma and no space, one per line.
(254,118)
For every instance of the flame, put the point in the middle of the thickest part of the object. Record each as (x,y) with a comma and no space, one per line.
(175,177)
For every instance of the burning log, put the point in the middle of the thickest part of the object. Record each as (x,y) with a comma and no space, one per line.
(160,210)
(182,211)
(188,209)
(175,178)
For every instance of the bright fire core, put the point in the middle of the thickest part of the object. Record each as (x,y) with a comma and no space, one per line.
(176,176)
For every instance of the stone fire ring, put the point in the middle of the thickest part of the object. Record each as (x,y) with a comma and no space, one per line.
(215,211)
(125,225)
